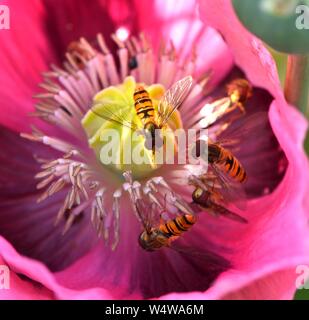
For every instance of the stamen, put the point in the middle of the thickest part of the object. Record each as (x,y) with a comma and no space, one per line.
(123,56)
(148,192)
(155,196)
(50,86)
(109,61)
(172,197)
(116,211)
(45,182)
(99,214)
(87,46)
(102,44)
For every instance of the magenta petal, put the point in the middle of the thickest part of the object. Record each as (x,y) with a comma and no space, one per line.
(21,289)
(130,272)
(187,32)
(76,18)
(29,226)
(38,275)
(22,59)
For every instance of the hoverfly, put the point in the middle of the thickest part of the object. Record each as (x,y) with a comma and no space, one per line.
(147,119)
(223,160)
(214,195)
(238,91)
(156,237)
(161,224)
(223,183)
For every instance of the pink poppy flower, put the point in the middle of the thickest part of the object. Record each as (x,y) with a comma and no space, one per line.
(258,258)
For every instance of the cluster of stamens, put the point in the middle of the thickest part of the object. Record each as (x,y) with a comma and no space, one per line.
(158,193)
(67,96)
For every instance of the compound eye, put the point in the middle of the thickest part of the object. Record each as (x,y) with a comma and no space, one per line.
(197,193)
(141,240)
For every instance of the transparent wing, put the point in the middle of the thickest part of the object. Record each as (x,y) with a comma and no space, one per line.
(123,117)
(144,212)
(231,215)
(245,129)
(173,98)
(148,214)
(232,191)
(235,135)
(219,210)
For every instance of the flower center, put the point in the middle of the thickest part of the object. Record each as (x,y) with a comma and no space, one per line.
(91,102)
(117,129)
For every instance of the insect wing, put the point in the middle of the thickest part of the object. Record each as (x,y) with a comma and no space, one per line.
(173,98)
(147,214)
(231,191)
(244,129)
(143,213)
(123,117)
(233,216)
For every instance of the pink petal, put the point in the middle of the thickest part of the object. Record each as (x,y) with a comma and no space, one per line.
(76,18)
(29,226)
(184,28)
(22,59)
(249,52)
(20,289)
(53,27)
(37,272)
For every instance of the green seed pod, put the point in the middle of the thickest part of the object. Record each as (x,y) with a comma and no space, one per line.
(282,24)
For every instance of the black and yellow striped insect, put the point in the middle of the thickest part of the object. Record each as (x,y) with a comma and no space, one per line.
(149,119)
(154,238)
(226,162)
(223,179)
(169,234)
(214,201)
